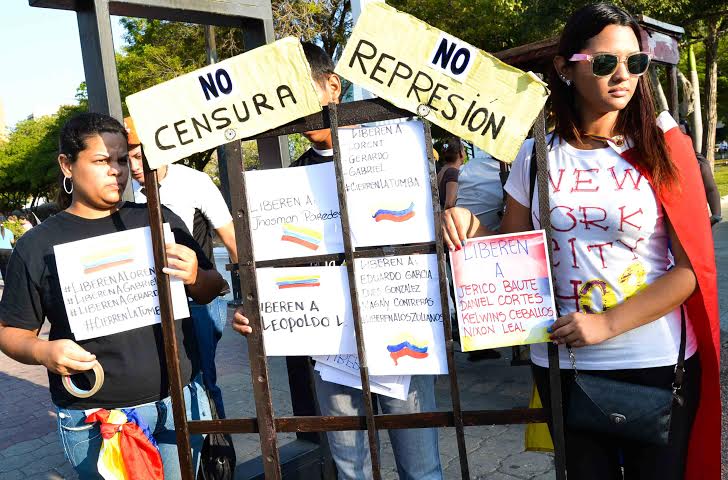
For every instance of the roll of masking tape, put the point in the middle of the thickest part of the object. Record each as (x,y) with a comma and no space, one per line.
(77,392)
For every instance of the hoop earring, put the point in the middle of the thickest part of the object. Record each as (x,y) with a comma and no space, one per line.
(65,188)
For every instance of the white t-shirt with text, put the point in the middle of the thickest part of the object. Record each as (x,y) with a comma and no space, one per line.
(609,241)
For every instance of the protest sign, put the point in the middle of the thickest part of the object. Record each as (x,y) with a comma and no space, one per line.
(344,370)
(503,290)
(443,79)
(109,283)
(399,300)
(236,98)
(305,311)
(294,212)
(387,178)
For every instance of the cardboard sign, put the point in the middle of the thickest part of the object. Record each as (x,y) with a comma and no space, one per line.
(233,99)
(109,284)
(294,212)
(344,370)
(306,311)
(456,86)
(388,184)
(399,300)
(503,290)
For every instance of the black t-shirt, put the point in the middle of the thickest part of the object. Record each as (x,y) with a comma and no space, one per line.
(202,233)
(311,157)
(133,361)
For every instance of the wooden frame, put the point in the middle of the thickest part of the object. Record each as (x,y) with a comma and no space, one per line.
(265,423)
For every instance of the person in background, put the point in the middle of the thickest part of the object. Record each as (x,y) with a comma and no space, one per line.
(25,223)
(193,196)
(711,189)
(453,157)
(7,240)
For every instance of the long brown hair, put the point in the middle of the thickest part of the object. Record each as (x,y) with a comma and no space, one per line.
(637,120)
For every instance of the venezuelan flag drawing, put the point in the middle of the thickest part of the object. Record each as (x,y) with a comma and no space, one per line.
(297,281)
(303,236)
(395,215)
(407,346)
(108,258)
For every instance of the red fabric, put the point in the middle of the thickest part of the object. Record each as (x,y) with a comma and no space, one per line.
(141,459)
(686,207)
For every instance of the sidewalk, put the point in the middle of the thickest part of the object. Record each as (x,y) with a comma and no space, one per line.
(29,446)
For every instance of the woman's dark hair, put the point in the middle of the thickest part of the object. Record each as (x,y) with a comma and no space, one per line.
(452,151)
(637,120)
(72,140)
(321,64)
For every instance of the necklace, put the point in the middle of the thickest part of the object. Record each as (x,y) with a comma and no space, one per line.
(618,140)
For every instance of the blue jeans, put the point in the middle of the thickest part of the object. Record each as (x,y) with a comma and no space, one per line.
(82,441)
(416,450)
(209,321)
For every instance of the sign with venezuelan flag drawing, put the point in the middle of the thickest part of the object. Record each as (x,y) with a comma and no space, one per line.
(503,290)
(230,100)
(399,300)
(306,311)
(109,284)
(388,184)
(424,70)
(294,212)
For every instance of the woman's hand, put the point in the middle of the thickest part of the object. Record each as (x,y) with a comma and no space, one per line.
(182,263)
(240,323)
(580,329)
(64,357)
(458,224)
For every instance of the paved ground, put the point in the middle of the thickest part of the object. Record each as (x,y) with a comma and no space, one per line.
(29,446)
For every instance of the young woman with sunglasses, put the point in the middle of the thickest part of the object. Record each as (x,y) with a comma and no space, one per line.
(631,245)
(93,160)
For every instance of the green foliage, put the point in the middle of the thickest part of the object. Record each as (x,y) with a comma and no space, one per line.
(28,161)
(16,227)
(721,180)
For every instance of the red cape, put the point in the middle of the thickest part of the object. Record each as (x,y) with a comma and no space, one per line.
(686,207)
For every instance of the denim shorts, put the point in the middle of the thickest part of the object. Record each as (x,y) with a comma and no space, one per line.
(82,442)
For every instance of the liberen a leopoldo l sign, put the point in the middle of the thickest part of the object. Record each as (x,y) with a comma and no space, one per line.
(443,79)
(234,99)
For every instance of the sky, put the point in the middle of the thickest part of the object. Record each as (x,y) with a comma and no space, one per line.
(40,55)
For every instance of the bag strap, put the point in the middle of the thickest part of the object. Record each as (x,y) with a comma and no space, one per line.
(532,179)
(680,365)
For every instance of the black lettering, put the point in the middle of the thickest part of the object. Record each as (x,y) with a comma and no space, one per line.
(467,114)
(491,125)
(464,54)
(208,86)
(225,120)
(197,125)
(484,111)
(435,96)
(158,142)
(415,88)
(247,113)
(358,55)
(259,101)
(378,67)
(396,74)
(219,75)
(181,132)
(443,53)
(281,94)
(454,108)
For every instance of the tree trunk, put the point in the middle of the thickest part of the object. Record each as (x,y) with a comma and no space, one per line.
(660,97)
(711,87)
(696,119)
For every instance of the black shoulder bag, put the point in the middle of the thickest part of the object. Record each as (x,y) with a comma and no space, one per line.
(621,409)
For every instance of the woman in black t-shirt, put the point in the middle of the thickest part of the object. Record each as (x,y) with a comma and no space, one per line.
(447,179)
(93,161)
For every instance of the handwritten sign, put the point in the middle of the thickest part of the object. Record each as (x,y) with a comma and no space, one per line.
(109,283)
(456,86)
(306,311)
(294,212)
(233,99)
(388,184)
(344,370)
(503,290)
(399,299)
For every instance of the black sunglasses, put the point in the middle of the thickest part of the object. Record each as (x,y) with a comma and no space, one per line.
(605,64)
